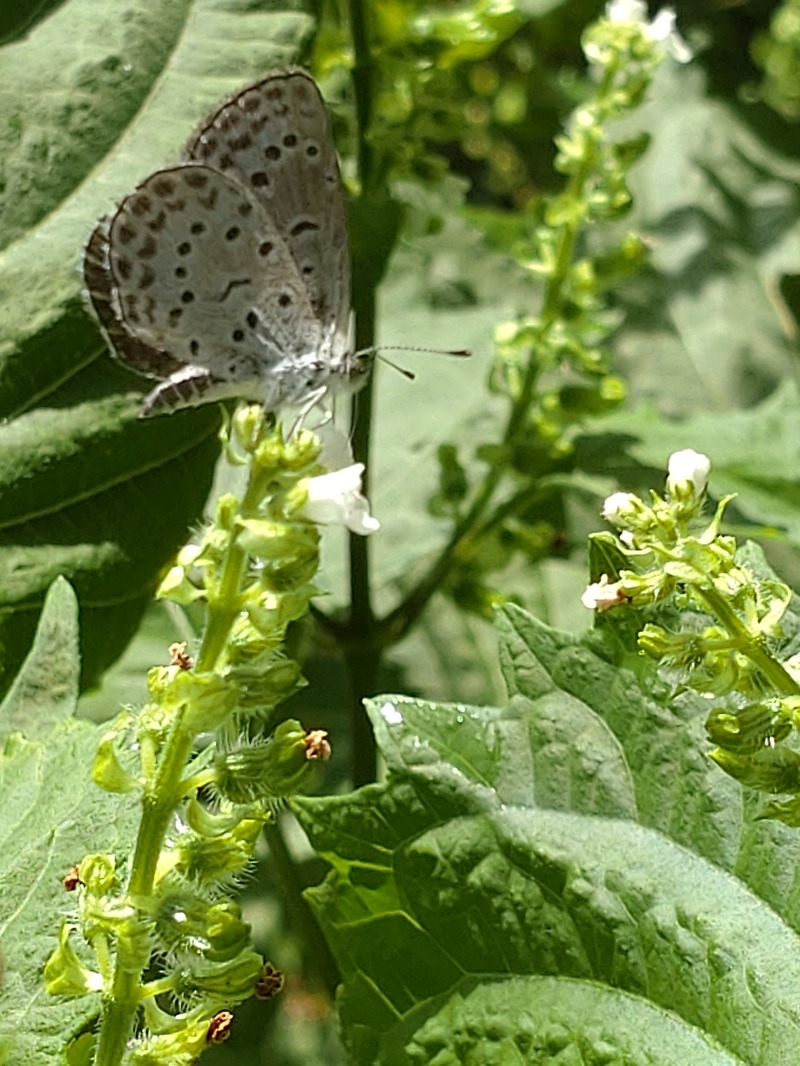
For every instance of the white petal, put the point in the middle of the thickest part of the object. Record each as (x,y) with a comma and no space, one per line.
(662,25)
(617,508)
(626,11)
(336,499)
(602,595)
(688,466)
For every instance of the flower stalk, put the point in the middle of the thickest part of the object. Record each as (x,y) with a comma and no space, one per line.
(734,658)
(203,807)
(623,51)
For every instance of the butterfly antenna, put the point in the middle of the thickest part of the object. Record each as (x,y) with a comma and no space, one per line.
(396,366)
(378,353)
(465,352)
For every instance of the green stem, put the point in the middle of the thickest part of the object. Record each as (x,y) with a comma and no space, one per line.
(748,644)
(224,608)
(360,627)
(158,806)
(399,621)
(162,796)
(362,648)
(119,1013)
(362,87)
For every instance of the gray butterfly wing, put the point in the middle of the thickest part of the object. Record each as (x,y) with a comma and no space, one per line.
(274,137)
(127,348)
(201,271)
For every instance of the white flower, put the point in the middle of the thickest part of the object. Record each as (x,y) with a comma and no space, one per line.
(627,11)
(336,499)
(660,30)
(620,507)
(600,596)
(687,471)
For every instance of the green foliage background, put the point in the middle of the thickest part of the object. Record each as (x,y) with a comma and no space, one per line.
(564,765)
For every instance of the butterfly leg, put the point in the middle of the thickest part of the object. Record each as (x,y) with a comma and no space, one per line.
(310,402)
(187,387)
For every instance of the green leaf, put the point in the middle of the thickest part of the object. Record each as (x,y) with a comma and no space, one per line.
(45,691)
(52,813)
(94,494)
(718,202)
(94,97)
(565,872)
(550,1021)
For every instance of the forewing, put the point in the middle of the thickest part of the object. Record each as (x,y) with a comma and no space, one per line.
(202,272)
(275,138)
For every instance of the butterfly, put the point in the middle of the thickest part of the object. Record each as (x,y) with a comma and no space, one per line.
(228,275)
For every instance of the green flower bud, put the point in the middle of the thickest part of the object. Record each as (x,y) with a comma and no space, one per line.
(288,575)
(301,450)
(99,874)
(773,599)
(180,1048)
(751,728)
(677,648)
(276,541)
(246,426)
(788,813)
(264,769)
(220,859)
(210,700)
(65,974)
(576,400)
(266,685)
(204,822)
(224,983)
(269,613)
(768,770)
(177,587)
(187,923)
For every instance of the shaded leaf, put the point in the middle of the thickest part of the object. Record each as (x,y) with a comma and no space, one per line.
(94,98)
(721,208)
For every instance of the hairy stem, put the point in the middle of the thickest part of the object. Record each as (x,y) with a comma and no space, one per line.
(753,646)
(161,798)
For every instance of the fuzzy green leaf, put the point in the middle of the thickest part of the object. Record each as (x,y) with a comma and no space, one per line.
(94,97)
(572,853)
(51,813)
(45,690)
